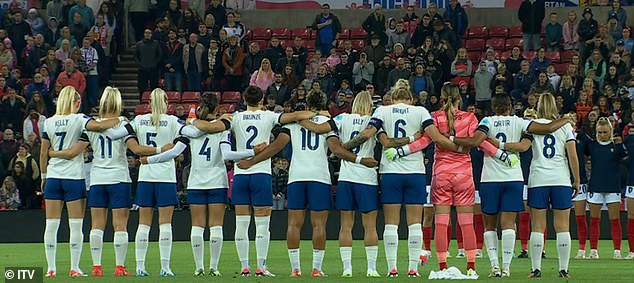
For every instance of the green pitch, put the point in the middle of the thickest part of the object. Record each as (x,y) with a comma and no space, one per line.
(599,271)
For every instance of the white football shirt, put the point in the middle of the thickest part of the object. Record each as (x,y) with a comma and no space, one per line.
(63,132)
(109,163)
(157,136)
(350,125)
(549,166)
(309,161)
(398,121)
(251,128)
(504,129)
(208,169)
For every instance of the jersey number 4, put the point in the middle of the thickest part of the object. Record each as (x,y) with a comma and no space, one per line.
(205,150)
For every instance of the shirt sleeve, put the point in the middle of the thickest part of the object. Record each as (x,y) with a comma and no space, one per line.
(570,133)
(44,133)
(177,125)
(484,125)
(377,119)
(85,119)
(275,117)
(338,122)
(426,120)
(524,124)
(473,124)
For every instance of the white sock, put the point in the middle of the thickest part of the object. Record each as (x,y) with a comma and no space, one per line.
(198,246)
(390,241)
(215,246)
(262,239)
(242,239)
(141,242)
(318,258)
(371,253)
(508,247)
(491,242)
(96,245)
(346,257)
(76,241)
(165,245)
(536,248)
(50,242)
(120,243)
(563,249)
(499,153)
(293,255)
(414,244)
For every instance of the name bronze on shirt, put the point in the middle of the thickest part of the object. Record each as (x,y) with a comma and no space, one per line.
(252,116)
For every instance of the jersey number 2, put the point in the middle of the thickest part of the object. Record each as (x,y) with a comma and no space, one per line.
(253,135)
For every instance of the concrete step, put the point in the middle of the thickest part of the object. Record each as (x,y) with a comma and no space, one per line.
(124,82)
(127,57)
(127,70)
(128,89)
(124,77)
(127,64)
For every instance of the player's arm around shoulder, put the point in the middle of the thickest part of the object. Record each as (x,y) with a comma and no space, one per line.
(273,148)
(334,144)
(544,129)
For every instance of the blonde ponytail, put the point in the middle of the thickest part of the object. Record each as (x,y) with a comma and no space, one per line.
(67,97)
(451,94)
(110,102)
(158,103)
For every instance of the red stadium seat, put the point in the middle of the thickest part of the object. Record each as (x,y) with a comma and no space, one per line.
(554,56)
(512,42)
(358,33)
(561,68)
(505,55)
(515,32)
(498,32)
(281,33)
(478,32)
(145,97)
(141,109)
(171,109)
(285,43)
(231,97)
(475,44)
(498,44)
(191,97)
(475,57)
(173,97)
(566,56)
(310,45)
(261,33)
(226,108)
(303,33)
(345,34)
(261,43)
(358,44)
(27,81)
(529,55)
(248,35)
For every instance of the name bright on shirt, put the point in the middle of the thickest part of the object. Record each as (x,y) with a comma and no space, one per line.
(400,110)
(252,117)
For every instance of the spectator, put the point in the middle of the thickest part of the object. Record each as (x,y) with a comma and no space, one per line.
(612,78)
(89,54)
(7,57)
(568,92)
(232,60)
(9,195)
(160,32)
(553,77)
(77,29)
(87,14)
(531,14)
(173,69)
(353,54)
(461,67)
(400,72)
(432,12)
(138,11)
(433,67)
(315,62)
(193,63)
(420,80)
(614,29)
(333,60)
(491,62)
(381,72)
(482,84)
(212,27)
(410,14)
(442,32)
(374,24)
(219,12)
(252,59)
(40,86)
(54,9)
(263,77)
(9,146)
(375,52)
(73,77)
(621,67)
(37,24)
(362,72)
(188,22)
(542,85)
(174,13)
(422,31)
(274,52)
(15,81)
(341,105)
(148,55)
(513,62)
(204,35)
(553,33)
(234,28)
(399,35)
(24,167)
(301,53)
(343,71)
(457,16)
(3,92)
(65,34)
(13,109)
(52,33)
(280,183)
(539,62)
(502,78)
(522,82)
(290,77)
(325,81)
(279,90)
(288,59)
(387,100)
(598,64)
(37,104)
(328,29)
(569,32)
(618,12)
(18,32)
(588,28)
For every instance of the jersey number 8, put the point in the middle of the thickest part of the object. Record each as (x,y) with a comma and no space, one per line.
(549,146)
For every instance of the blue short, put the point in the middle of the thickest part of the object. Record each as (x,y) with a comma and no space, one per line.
(64,189)
(110,196)
(204,197)
(354,196)
(252,189)
(309,195)
(499,197)
(403,189)
(558,197)
(156,194)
